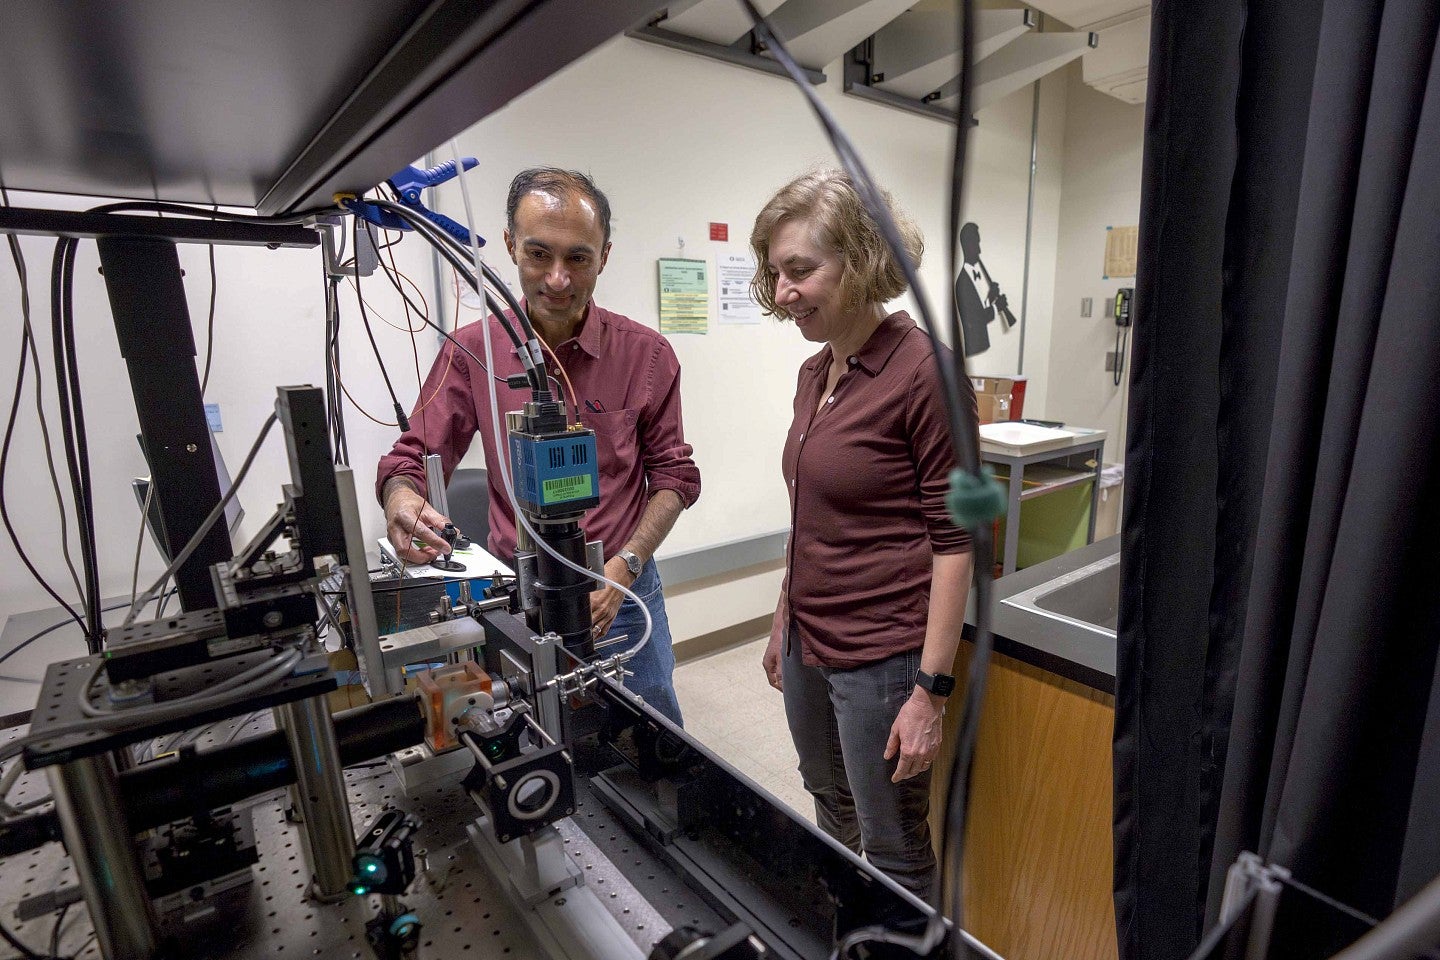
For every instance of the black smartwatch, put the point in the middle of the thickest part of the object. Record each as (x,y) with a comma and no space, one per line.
(940,684)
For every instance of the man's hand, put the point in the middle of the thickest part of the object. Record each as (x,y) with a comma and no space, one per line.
(605,602)
(409,517)
(1002,302)
(915,734)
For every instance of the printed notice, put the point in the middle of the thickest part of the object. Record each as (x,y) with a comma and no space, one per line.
(1122,249)
(733,272)
(684,296)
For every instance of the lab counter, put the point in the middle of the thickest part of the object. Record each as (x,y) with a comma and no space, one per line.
(1038,852)
(1062,649)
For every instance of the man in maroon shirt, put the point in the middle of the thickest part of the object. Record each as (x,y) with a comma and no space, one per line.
(626,387)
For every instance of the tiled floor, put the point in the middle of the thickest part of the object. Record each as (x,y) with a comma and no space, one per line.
(729,707)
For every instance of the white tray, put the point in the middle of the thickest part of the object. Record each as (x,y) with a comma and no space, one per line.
(1022,439)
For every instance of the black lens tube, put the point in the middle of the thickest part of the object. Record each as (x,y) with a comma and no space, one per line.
(565,593)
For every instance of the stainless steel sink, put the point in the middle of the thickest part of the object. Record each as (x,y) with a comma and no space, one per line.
(1088,598)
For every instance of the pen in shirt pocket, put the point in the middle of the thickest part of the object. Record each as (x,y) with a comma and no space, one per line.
(594,406)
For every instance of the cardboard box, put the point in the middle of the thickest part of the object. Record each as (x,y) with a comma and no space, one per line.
(993,397)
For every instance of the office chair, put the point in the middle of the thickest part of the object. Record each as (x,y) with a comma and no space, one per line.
(469,496)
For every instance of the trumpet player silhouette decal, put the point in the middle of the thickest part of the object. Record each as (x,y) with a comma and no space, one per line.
(978,296)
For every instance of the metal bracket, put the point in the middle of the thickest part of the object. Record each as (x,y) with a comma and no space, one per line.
(527,565)
(541,877)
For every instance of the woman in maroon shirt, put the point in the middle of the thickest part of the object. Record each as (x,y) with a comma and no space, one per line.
(873,600)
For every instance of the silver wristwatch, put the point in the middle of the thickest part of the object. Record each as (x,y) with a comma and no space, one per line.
(632,562)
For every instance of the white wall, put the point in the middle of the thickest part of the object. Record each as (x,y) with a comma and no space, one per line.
(1101,187)
(677,141)
(269,331)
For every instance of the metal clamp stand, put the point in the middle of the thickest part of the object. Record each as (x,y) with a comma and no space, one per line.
(324,810)
(549,890)
(384,864)
(87,798)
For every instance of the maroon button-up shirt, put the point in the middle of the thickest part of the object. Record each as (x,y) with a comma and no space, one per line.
(867,477)
(627,379)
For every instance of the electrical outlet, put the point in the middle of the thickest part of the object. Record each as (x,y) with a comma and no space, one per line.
(1112,361)
(1087,306)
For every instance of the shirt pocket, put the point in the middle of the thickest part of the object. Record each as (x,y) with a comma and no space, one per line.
(617,439)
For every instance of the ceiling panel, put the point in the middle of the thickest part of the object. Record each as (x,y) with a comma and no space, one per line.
(1084,14)
(718,21)
(917,53)
(818,32)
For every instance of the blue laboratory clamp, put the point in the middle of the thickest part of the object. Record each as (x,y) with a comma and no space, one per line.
(407,184)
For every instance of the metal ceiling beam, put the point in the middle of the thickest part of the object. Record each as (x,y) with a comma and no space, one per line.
(918,53)
(1018,65)
(735,54)
(27,221)
(458,64)
(818,32)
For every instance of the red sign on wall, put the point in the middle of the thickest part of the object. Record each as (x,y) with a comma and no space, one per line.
(719,231)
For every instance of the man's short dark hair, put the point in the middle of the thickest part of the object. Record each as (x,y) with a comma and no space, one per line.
(556,183)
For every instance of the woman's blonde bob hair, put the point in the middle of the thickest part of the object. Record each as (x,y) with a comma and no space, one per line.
(828,202)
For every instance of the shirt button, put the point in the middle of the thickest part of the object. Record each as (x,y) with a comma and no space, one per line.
(574,347)
(831,400)
(853,361)
(802,436)
(792,481)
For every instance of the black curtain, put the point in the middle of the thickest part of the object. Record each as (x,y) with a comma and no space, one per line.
(1280,609)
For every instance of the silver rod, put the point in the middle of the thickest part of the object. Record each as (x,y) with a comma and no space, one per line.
(320,792)
(1029,210)
(539,729)
(98,839)
(380,682)
(435,483)
(437,274)
(623,638)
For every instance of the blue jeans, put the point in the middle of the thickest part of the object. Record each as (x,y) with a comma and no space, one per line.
(840,721)
(654,666)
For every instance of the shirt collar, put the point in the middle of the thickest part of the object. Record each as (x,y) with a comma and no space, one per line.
(884,341)
(876,352)
(591,335)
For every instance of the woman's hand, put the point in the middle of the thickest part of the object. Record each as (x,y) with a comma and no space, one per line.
(771,660)
(774,650)
(915,734)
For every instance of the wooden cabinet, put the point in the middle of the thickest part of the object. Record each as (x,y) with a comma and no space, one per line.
(1038,853)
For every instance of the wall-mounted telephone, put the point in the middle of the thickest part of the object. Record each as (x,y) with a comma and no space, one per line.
(1123,298)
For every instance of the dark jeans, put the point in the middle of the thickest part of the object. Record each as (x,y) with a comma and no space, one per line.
(840,721)
(654,666)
